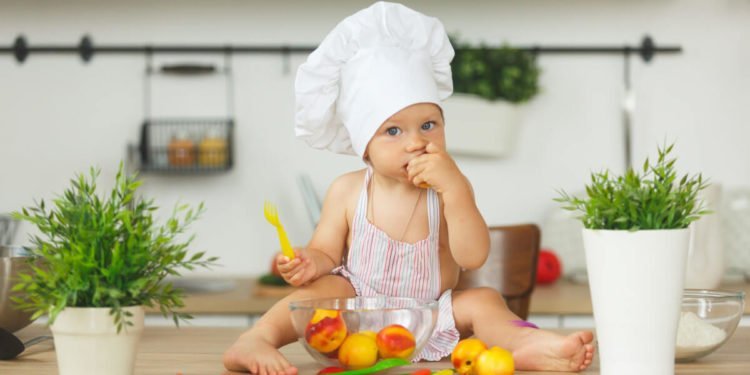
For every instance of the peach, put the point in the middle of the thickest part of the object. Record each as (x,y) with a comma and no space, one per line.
(369,333)
(395,341)
(465,353)
(320,314)
(358,351)
(326,330)
(494,361)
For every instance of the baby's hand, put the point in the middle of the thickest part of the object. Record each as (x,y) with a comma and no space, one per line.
(437,170)
(297,271)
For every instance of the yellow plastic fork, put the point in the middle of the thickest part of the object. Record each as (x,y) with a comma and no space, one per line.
(272,216)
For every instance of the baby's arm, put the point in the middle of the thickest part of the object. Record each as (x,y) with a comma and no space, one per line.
(326,248)
(468,237)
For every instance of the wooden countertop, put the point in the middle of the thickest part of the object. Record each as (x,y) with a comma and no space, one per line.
(188,351)
(562,297)
(242,299)
(568,298)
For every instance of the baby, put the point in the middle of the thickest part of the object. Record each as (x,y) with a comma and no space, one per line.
(407,224)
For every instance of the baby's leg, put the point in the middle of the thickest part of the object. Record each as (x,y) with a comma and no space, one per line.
(256,350)
(483,313)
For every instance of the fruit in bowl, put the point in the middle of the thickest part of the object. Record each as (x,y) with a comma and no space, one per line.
(708,319)
(395,341)
(326,330)
(358,351)
(359,332)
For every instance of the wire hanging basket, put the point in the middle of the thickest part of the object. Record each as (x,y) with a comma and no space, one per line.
(189,144)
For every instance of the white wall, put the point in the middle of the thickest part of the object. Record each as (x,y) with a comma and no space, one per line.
(58,115)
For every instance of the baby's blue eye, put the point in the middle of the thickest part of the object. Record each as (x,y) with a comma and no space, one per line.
(393,131)
(428,125)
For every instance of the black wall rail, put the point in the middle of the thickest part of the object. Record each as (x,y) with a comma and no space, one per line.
(86,49)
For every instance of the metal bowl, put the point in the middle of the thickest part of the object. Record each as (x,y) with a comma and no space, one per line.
(8,228)
(13,260)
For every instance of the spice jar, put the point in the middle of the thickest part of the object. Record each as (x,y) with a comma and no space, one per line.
(212,150)
(181,150)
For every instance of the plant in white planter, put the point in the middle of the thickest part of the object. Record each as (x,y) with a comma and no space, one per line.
(636,242)
(100,260)
(490,86)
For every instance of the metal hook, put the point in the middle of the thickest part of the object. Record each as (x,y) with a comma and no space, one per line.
(626,67)
(228,72)
(147,83)
(627,110)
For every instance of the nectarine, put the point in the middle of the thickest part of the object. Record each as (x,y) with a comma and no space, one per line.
(358,351)
(326,331)
(494,361)
(465,353)
(395,341)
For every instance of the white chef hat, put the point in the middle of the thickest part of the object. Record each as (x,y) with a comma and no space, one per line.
(371,65)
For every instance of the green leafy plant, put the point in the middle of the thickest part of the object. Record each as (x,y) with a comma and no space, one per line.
(95,252)
(503,73)
(653,199)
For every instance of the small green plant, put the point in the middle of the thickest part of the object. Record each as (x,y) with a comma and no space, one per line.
(96,252)
(651,200)
(503,73)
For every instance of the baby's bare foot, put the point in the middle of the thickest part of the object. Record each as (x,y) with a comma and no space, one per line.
(544,350)
(258,356)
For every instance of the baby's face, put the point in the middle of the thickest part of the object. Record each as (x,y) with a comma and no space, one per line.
(403,137)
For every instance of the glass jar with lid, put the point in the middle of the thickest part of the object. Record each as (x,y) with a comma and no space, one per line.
(212,150)
(181,150)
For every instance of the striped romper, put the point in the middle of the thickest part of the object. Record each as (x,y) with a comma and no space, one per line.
(379,265)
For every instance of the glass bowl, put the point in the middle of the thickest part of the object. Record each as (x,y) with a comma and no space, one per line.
(708,319)
(359,331)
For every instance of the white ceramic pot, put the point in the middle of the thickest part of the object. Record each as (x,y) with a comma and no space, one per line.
(87,342)
(636,281)
(479,127)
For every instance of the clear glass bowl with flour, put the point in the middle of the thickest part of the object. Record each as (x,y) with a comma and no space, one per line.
(708,319)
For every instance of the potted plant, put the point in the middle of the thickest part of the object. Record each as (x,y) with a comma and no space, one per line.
(490,86)
(636,242)
(99,261)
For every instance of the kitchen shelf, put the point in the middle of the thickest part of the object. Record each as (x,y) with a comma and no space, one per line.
(185,146)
